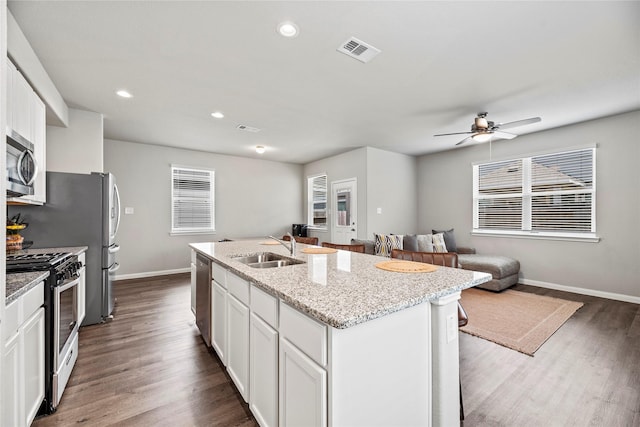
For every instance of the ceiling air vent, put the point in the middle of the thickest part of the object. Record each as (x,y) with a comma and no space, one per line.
(248,128)
(358,49)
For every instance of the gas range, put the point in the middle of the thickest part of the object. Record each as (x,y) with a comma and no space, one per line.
(17,263)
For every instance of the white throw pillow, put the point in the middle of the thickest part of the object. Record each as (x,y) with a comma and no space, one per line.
(425,243)
(438,243)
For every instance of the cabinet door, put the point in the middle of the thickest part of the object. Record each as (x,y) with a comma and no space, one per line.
(219,320)
(32,339)
(263,369)
(10,411)
(303,389)
(38,133)
(238,341)
(11,71)
(21,103)
(193,288)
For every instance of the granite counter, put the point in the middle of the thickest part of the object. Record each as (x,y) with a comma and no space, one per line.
(341,289)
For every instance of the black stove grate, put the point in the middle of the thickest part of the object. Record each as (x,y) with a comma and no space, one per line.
(35,261)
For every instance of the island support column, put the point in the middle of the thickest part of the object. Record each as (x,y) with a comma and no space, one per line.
(445,361)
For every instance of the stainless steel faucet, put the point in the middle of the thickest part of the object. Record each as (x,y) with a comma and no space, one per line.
(291,248)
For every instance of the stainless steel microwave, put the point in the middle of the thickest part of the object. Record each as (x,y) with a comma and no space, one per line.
(21,166)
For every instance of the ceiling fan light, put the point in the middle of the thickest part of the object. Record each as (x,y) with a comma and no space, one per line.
(481,137)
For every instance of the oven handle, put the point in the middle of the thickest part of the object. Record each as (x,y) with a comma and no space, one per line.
(67,285)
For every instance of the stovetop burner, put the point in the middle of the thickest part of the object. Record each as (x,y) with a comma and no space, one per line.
(34,261)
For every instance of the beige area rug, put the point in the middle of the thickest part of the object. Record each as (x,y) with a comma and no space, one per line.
(517,320)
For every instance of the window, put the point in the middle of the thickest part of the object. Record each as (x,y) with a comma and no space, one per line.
(192,200)
(317,201)
(547,195)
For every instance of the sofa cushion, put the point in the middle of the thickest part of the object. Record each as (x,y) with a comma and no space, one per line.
(410,242)
(439,244)
(449,239)
(369,245)
(385,243)
(425,243)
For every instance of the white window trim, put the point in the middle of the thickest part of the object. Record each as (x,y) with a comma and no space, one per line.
(310,225)
(192,231)
(526,195)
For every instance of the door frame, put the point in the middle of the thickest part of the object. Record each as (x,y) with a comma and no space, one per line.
(354,207)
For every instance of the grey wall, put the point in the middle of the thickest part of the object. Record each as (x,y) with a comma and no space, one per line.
(352,164)
(77,148)
(386,180)
(392,187)
(253,198)
(610,266)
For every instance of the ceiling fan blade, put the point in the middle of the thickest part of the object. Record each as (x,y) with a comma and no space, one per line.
(518,123)
(456,133)
(467,139)
(503,135)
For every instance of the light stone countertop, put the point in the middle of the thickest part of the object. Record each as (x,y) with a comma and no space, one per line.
(18,284)
(341,289)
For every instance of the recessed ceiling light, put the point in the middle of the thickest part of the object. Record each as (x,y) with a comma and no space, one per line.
(288,29)
(124,94)
(217,114)
(260,149)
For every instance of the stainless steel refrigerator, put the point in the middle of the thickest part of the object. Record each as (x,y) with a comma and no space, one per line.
(81,210)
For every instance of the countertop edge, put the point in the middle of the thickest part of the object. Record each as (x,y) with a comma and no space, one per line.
(343,324)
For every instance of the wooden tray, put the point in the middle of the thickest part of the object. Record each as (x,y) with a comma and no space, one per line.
(317,250)
(402,266)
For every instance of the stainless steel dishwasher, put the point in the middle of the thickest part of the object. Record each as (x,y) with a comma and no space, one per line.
(203,297)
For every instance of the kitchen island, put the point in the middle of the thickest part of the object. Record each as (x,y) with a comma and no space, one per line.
(335,340)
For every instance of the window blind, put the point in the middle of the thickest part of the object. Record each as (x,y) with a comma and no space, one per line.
(551,193)
(192,200)
(317,207)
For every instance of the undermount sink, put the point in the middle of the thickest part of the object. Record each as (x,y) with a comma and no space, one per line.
(267,260)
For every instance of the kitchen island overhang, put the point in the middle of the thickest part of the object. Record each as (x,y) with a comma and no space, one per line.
(392,338)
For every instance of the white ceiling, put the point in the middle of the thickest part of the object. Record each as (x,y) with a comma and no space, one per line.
(441,63)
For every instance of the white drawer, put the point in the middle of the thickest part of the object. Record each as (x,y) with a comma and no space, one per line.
(307,334)
(33,300)
(11,320)
(219,274)
(265,306)
(238,287)
(22,308)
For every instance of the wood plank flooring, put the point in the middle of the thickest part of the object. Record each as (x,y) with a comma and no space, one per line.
(586,374)
(149,367)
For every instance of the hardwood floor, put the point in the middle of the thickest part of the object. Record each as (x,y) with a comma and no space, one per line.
(150,367)
(586,374)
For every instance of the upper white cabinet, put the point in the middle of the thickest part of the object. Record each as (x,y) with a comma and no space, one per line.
(26,115)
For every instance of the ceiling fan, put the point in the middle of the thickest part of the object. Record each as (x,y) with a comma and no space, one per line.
(482,130)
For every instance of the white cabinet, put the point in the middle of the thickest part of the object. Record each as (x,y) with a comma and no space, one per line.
(238,333)
(219,321)
(23,358)
(32,346)
(193,282)
(26,115)
(11,383)
(263,371)
(303,388)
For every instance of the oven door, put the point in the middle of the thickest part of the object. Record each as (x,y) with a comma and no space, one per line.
(65,335)
(65,319)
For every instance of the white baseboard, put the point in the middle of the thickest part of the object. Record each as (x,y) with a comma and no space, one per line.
(151,274)
(583,291)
